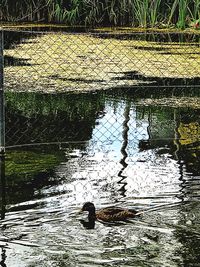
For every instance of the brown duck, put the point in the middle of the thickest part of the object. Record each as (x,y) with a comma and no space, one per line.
(109,214)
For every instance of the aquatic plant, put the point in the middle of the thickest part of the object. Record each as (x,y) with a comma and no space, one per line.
(143,13)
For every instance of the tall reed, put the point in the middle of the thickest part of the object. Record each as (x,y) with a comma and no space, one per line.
(140,9)
(143,13)
(194,10)
(182,13)
(154,14)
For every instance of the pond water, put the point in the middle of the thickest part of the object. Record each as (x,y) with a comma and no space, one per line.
(114,150)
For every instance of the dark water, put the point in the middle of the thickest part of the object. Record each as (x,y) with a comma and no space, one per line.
(112,150)
(21,32)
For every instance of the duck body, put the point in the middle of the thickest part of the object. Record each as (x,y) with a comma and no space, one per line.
(110,214)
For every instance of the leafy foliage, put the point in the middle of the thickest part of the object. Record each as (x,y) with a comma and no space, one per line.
(143,13)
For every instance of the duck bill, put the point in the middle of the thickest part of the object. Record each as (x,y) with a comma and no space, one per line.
(80,211)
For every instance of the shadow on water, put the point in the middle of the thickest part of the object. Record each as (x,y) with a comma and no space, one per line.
(16,36)
(14,61)
(61,117)
(159,37)
(158,81)
(13,38)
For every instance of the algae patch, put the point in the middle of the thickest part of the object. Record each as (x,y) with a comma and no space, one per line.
(81,62)
(19,163)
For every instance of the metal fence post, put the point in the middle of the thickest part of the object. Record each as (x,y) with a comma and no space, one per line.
(2,187)
(2,105)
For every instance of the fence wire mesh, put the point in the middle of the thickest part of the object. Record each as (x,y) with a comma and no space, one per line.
(103,117)
(62,61)
(81,62)
(41,66)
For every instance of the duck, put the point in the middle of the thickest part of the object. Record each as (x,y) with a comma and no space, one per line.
(109,214)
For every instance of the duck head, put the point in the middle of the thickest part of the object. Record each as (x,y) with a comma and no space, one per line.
(89,206)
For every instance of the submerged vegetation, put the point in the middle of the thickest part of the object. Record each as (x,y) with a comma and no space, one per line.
(45,118)
(143,13)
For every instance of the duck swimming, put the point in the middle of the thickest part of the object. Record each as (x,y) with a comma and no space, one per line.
(110,214)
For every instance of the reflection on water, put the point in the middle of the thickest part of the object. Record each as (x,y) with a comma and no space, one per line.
(136,156)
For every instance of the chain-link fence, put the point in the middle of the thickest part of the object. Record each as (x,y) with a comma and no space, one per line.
(106,117)
(81,62)
(60,62)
